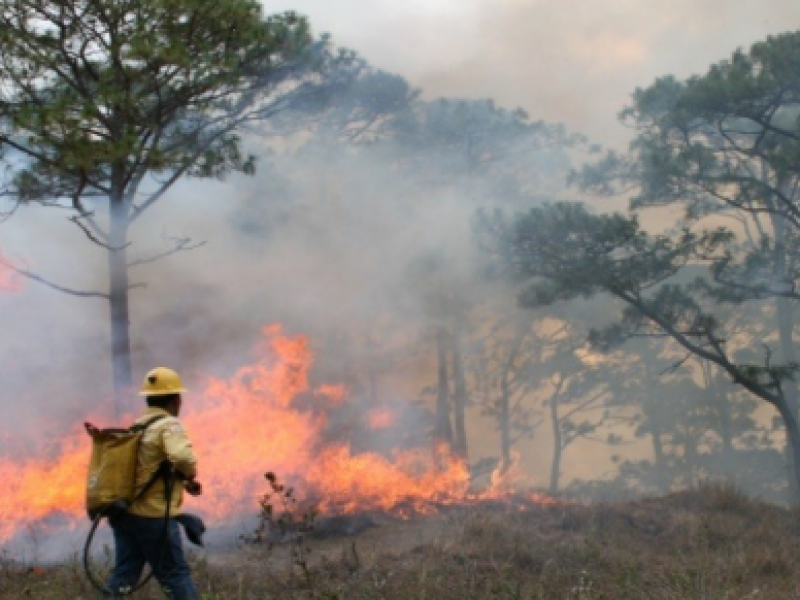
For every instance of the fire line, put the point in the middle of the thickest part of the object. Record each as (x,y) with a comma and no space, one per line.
(244,426)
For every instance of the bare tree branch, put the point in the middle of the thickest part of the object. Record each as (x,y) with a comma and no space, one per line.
(6,215)
(678,364)
(60,288)
(181,245)
(93,238)
(77,203)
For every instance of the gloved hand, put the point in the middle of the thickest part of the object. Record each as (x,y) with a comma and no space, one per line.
(193,526)
(193,487)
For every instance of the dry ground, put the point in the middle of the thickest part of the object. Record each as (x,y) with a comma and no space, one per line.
(711,543)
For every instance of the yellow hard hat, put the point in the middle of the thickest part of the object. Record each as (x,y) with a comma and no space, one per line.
(161,382)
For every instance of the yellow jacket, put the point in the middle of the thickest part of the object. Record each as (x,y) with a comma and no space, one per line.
(164,439)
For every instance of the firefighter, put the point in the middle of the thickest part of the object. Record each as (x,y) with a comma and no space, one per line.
(144,534)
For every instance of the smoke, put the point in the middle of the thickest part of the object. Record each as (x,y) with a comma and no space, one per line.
(571,61)
(334,243)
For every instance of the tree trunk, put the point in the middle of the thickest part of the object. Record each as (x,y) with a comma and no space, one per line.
(655,427)
(691,455)
(558,437)
(460,397)
(504,422)
(444,432)
(658,446)
(792,443)
(122,369)
(504,404)
(558,446)
(723,415)
(785,325)
(785,330)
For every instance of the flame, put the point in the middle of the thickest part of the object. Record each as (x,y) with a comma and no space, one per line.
(266,417)
(506,479)
(38,489)
(263,418)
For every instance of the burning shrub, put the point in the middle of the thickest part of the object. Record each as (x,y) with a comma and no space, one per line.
(281,517)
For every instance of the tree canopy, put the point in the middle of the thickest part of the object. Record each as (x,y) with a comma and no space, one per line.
(105,105)
(724,146)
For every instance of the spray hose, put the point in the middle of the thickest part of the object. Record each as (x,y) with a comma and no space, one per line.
(116,508)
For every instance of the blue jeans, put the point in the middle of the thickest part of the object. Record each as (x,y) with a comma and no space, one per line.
(140,540)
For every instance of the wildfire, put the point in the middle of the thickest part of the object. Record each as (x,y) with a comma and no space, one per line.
(264,418)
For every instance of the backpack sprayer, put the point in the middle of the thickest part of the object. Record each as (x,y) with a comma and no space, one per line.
(111,487)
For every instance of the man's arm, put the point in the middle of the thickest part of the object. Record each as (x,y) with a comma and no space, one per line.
(179,450)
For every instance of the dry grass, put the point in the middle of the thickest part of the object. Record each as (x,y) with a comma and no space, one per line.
(709,544)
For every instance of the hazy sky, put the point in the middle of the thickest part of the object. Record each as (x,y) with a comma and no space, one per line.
(575,61)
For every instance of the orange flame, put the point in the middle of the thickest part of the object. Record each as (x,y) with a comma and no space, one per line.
(40,488)
(264,418)
(255,422)
(506,479)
